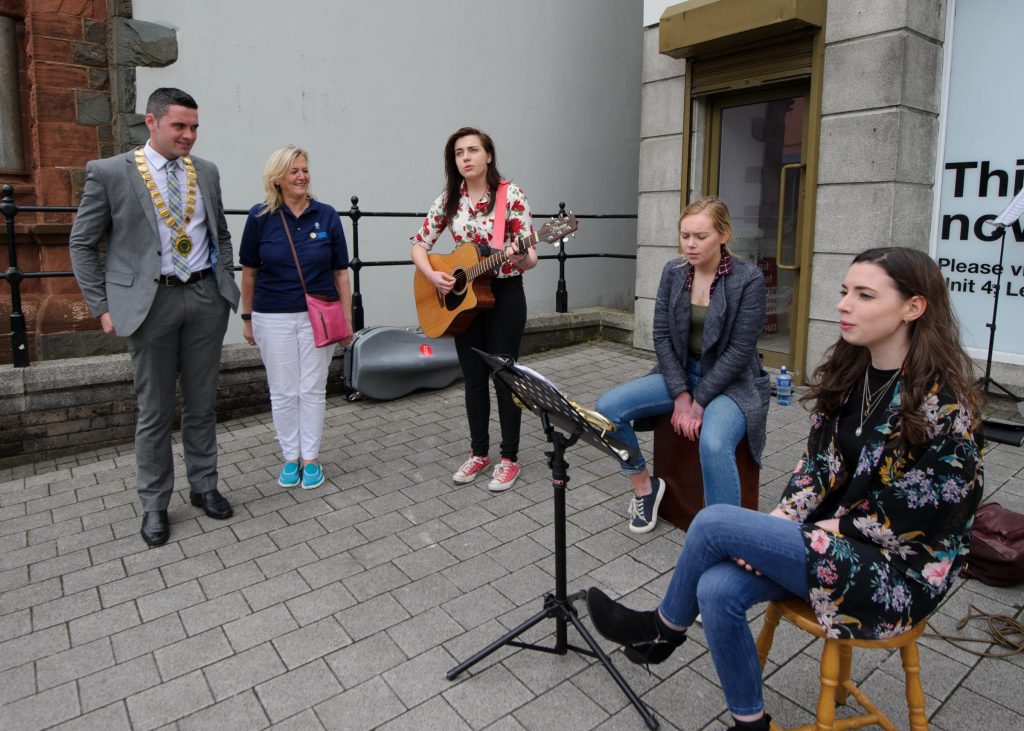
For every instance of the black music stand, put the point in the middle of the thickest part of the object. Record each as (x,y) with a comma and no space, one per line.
(541,397)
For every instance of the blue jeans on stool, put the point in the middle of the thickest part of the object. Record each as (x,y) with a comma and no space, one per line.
(707,580)
(723,429)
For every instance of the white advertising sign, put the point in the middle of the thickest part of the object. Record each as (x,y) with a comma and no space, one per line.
(982,169)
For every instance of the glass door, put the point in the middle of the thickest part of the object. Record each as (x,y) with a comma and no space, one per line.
(756,165)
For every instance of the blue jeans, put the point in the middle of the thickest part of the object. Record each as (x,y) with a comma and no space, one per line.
(723,429)
(707,580)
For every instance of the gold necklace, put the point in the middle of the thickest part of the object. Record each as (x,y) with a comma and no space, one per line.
(866,400)
(182,241)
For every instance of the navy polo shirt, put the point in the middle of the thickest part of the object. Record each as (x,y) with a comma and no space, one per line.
(320,243)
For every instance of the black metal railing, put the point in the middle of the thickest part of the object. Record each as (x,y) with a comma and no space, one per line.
(15,276)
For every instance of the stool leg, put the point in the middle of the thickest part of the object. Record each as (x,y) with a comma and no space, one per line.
(915,692)
(845,663)
(826,715)
(767,634)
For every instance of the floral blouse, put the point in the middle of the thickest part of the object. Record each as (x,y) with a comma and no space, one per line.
(905,518)
(472,225)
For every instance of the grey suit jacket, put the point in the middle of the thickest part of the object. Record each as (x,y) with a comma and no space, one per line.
(117,208)
(729,355)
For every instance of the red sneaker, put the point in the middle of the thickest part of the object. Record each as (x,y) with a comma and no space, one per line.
(505,475)
(470,469)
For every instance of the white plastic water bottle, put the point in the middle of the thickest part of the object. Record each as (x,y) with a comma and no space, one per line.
(784,387)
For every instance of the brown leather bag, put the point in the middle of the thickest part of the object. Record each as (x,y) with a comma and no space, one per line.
(997,547)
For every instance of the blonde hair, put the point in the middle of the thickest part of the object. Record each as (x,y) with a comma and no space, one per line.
(716,210)
(279,163)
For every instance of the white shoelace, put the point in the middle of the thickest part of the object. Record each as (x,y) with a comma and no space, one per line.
(502,470)
(468,465)
(636,508)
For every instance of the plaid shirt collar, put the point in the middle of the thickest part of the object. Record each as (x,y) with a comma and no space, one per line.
(724,268)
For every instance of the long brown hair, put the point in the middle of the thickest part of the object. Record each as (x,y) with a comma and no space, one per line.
(935,353)
(452,176)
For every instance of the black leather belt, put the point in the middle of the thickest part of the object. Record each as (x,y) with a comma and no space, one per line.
(170,280)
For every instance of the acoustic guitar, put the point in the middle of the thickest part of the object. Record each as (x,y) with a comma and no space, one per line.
(473,267)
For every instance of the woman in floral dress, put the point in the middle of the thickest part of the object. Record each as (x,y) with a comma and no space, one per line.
(467,207)
(875,522)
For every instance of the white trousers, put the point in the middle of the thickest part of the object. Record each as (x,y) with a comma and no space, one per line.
(297,375)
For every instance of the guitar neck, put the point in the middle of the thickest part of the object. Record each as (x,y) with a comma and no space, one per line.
(497,259)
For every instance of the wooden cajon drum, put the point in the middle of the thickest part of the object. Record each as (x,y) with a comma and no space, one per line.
(677,462)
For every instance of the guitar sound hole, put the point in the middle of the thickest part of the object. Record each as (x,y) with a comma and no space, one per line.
(460,281)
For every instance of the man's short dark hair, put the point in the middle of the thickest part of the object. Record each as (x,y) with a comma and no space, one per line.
(165,97)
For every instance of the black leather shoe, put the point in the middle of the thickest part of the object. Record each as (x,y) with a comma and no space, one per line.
(155,527)
(213,504)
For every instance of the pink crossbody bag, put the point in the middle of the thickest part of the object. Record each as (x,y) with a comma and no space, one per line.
(326,315)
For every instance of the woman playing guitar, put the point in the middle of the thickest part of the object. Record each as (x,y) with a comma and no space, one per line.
(467,207)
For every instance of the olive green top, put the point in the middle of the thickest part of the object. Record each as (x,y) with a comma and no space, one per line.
(698,313)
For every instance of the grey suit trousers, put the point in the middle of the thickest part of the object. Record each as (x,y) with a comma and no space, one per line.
(181,336)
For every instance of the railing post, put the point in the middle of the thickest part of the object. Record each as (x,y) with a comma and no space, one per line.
(355,265)
(561,294)
(19,336)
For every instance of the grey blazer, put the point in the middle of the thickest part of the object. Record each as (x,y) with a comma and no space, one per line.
(117,208)
(729,354)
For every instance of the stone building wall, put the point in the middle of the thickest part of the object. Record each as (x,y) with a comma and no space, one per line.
(879,139)
(661,146)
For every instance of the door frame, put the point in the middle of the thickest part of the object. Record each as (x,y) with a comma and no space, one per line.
(809,180)
(712,155)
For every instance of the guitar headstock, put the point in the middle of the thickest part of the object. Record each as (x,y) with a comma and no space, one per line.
(557,229)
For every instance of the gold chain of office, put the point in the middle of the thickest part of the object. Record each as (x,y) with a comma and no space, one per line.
(182,241)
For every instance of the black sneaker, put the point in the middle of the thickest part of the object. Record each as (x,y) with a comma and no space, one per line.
(764,723)
(643,511)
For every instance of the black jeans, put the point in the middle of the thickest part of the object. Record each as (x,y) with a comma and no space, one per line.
(497,331)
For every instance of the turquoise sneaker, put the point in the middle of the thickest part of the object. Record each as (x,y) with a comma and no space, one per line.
(312,476)
(289,476)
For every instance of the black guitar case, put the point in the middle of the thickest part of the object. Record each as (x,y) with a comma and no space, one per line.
(386,363)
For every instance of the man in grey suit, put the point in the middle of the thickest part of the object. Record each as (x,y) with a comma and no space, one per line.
(165,284)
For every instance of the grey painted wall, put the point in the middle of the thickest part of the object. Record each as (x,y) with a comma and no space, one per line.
(374,89)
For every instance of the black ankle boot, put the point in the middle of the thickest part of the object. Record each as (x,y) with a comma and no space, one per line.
(761,724)
(644,636)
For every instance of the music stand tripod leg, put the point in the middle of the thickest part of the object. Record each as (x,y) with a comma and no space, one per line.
(506,639)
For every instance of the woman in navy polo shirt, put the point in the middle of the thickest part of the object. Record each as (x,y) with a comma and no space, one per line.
(274,306)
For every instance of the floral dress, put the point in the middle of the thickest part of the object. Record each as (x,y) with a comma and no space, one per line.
(905,517)
(471,224)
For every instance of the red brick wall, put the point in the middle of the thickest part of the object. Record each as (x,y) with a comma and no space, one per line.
(64,51)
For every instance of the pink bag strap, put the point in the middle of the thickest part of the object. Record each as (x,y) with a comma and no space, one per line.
(498,239)
(295,255)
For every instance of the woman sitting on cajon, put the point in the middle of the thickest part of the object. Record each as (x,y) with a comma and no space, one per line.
(707,316)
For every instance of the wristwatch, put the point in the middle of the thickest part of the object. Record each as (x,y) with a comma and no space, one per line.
(246,316)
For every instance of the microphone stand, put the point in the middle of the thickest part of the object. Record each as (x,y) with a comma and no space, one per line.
(1006,218)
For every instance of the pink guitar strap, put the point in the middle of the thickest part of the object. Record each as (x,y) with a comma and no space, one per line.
(498,239)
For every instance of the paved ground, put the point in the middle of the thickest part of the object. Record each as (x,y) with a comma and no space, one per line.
(344,606)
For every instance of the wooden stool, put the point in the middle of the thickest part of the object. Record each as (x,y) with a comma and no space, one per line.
(677,462)
(836,659)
